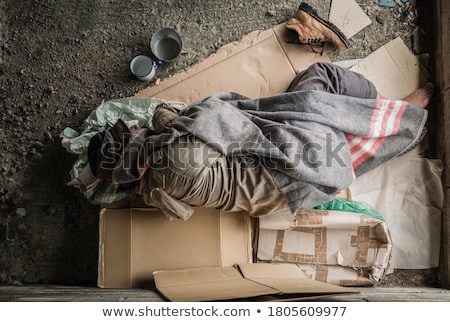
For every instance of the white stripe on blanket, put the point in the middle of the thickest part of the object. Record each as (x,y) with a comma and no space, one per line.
(385,122)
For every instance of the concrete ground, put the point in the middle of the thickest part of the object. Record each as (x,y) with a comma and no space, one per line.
(61,59)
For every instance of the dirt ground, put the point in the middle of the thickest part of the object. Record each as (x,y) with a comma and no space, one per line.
(59,59)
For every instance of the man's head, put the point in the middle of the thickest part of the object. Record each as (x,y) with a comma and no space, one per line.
(104,151)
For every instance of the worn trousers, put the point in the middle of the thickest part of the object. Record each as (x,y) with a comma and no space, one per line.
(331,78)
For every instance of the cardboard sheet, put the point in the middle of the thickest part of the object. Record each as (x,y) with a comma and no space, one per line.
(394,70)
(288,279)
(357,244)
(207,284)
(241,282)
(136,242)
(262,63)
(348,16)
(408,192)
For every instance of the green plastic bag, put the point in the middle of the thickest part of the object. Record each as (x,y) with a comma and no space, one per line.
(349,205)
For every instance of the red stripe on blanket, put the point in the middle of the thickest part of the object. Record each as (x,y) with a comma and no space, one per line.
(374,147)
(377,133)
(399,116)
(385,122)
(357,143)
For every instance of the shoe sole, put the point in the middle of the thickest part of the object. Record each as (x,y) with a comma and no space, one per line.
(313,12)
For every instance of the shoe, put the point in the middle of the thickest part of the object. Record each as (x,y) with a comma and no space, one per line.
(312,29)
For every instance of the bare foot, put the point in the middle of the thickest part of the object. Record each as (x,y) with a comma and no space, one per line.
(421,97)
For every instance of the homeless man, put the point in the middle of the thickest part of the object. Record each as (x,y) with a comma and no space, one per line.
(294,150)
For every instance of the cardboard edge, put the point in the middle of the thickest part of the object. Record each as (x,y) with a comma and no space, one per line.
(129,247)
(287,277)
(352,21)
(230,241)
(207,284)
(103,261)
(175,287)
(101,252)
(248,236)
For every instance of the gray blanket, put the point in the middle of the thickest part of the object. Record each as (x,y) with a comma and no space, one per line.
(312,143)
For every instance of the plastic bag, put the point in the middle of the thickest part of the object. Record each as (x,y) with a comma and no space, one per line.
(137,111)
(342,204)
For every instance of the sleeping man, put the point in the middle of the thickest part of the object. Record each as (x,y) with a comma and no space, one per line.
(295,150)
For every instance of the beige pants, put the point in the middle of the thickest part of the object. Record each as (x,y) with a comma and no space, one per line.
(190,173)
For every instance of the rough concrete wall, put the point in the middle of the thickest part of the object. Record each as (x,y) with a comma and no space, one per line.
(442,56)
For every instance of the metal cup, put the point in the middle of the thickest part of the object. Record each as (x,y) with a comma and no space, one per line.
(143,67)
(166,44)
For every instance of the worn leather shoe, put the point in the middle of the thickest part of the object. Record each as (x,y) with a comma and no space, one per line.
(312,29)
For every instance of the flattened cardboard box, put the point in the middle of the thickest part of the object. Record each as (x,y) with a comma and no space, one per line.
(393,69)
(337,247)
(140,247)
(270,281)
(135,242)
(262,63)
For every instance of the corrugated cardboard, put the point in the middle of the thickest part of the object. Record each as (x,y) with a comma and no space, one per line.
(408,191)
(348,16)
(394,70)
(241,282)
(136,242)
(326,242)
